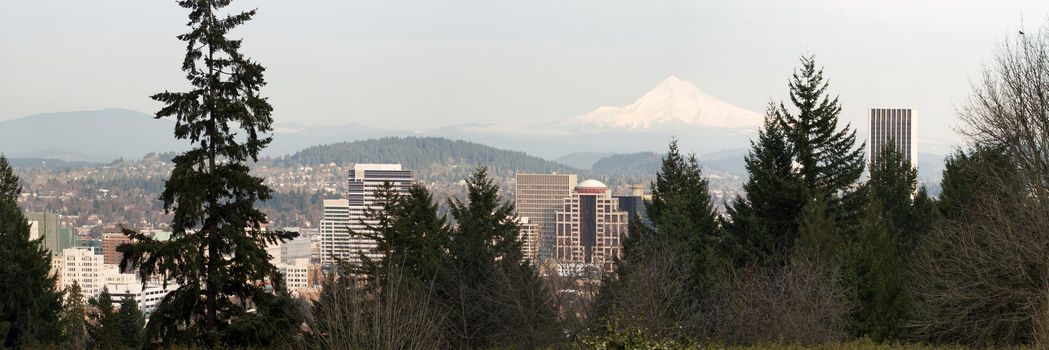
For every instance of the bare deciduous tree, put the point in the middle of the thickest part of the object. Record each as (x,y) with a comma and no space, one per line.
(655,297)
(980,276)
(352,316)
(800,304)
(1009,108)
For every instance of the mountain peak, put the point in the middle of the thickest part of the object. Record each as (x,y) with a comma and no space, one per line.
(672,102)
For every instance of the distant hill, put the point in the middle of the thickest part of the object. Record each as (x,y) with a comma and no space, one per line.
(99,136)
(631,164)
(582,160)
(107,134)
(51,163)
(439,158)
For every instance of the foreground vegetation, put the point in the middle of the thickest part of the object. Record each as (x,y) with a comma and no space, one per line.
(811,256)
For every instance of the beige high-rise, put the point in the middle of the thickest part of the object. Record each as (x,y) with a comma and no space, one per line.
(590,228)
(539,197)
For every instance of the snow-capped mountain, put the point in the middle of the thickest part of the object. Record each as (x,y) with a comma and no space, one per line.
(673,102)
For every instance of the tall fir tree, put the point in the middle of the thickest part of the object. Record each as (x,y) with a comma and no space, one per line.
(494,297)
(681,245)
(29,299)
(828,160)
(762,225)
(216,253)
(907,208)
(684,216)
(417,237)
(801,157)
(74,327)
(875,271)
(103,328)
(131,322)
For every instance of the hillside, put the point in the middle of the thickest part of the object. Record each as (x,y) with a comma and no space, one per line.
(432,157)
(96,136)
(582,160)
(632,164)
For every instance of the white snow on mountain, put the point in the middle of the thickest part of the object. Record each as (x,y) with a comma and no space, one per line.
(672,102)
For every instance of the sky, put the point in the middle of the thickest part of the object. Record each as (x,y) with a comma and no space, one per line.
(420,64)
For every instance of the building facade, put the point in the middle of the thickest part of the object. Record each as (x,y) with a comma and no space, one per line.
(538,197)
(296,274)
(894,126)
(335,230)
(49,226)
(589,227)
(345,239)
(110,242)
(89,270)
(83,267)
(634,204)
(529,237)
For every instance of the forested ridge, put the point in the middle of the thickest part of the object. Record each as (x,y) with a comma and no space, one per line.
(421,153)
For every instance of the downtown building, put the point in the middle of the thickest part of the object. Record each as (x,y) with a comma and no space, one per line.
(87,269)
(589,230)
(893,126)
(538,198)
(344,225)
(48,226)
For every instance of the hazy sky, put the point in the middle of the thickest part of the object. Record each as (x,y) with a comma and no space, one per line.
(424,64)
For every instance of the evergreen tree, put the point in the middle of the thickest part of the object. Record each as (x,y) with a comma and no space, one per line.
(216,253)
(800,157)
(828,159)
(819,241)
(684,217)
(908,210)
(762,224)
(131,323)
(9,187)
(494,297)
(967,174)
(680,183)
(104,327)
(74,329)
(378,222)
(876,272)
(419,236)
(29,300)
(681,247)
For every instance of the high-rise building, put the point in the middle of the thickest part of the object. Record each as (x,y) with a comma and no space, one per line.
(110,242)
(296,274)
(590,227)
(335,230)
(48,226)
(288,251)
(529,237)
(345,239)
(83,267)
(896,126)
(634,204)
(539,197)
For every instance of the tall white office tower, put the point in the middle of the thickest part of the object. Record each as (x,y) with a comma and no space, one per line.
(895,126)
(335,231)
(345,239)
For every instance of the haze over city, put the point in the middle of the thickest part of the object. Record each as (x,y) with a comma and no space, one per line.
(420,65)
